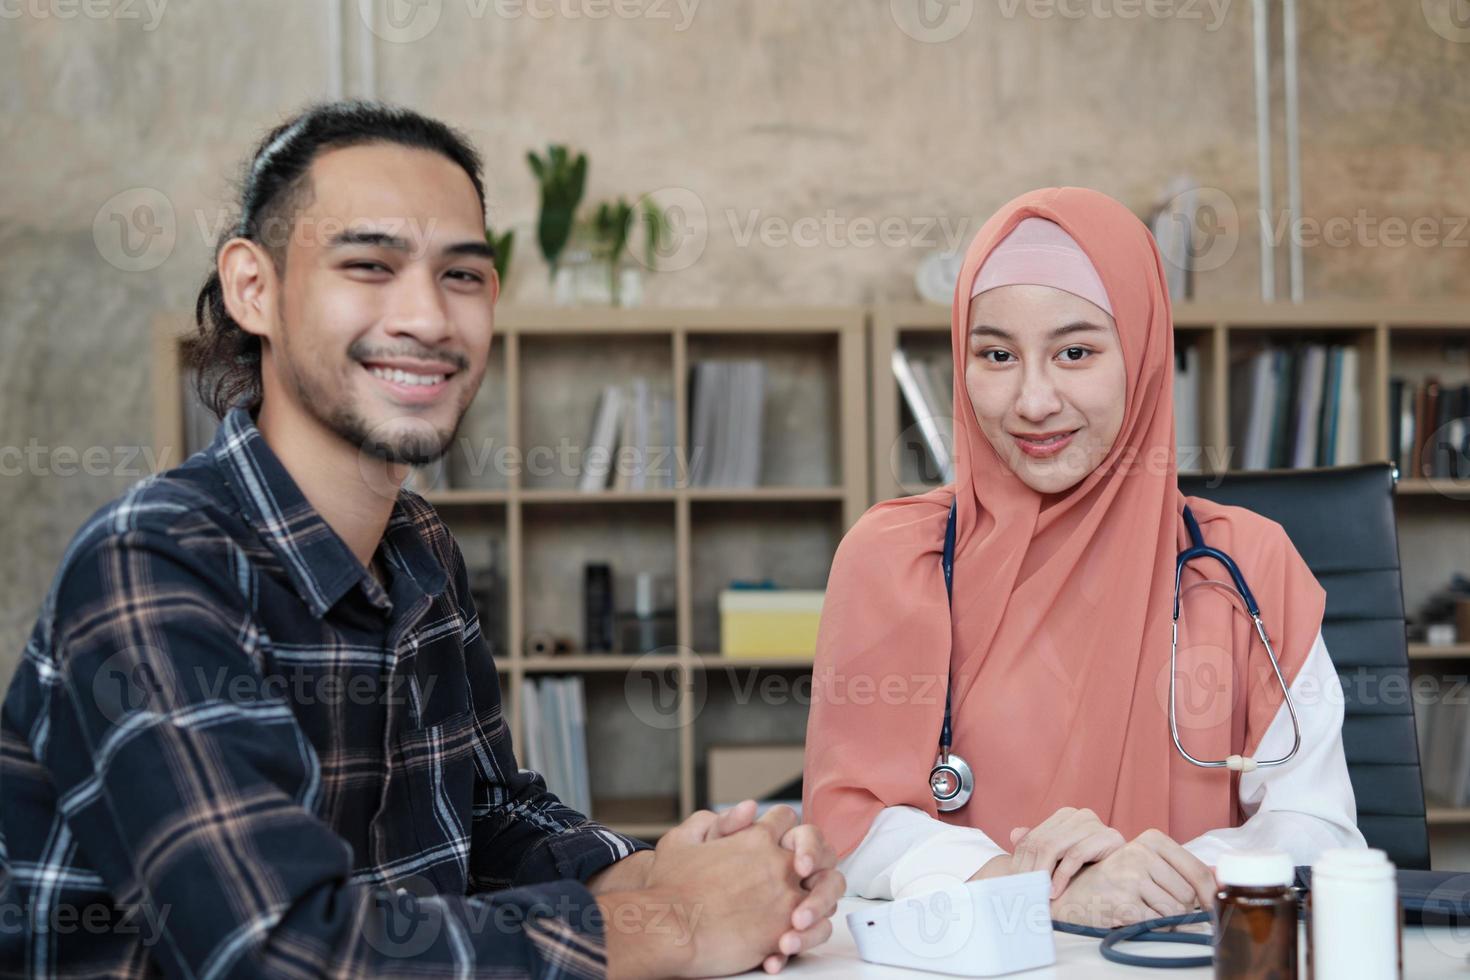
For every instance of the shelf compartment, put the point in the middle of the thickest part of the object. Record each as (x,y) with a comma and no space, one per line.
(561,383)
(800,422)
(749,705)
(559,539)
(1244,342)
(791,543)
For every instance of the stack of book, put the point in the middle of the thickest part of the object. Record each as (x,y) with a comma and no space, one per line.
(555,711)
(1429,428)
(727,409)
(1187,430)
(631,443)
(1297,407)
(926,388)
(1444,750)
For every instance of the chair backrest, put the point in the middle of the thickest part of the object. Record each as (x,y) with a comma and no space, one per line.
(1341,520)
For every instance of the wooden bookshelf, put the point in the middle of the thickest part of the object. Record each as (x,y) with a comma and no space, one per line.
(546,370)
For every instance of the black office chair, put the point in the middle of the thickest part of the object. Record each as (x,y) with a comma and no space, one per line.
(1341,520)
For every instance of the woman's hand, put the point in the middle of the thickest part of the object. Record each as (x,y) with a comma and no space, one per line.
(1150,876)
(1060,845)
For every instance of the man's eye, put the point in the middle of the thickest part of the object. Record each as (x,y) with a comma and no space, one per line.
(464,275)
(368,266)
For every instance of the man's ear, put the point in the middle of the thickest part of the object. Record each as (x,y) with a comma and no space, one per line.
(251,286)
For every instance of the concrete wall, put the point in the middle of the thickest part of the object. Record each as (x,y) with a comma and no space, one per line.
(797,127)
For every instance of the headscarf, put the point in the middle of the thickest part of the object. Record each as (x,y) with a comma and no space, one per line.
(1057,646)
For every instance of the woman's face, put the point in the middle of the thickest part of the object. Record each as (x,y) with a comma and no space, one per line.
(1045,374)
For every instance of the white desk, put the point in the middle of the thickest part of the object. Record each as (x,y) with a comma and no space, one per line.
(1429,953)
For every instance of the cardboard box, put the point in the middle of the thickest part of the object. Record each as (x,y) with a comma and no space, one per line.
(749,772)
(759,623)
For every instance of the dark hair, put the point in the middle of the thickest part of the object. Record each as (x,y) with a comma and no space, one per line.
(275,186)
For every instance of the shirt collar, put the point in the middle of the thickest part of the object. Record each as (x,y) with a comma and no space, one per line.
(320,565)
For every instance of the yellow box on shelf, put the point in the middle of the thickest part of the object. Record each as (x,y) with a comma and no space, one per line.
(758,623)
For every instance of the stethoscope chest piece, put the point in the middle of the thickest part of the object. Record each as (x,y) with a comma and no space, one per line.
(952,782)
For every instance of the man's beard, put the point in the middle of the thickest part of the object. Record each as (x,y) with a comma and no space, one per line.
(419,447)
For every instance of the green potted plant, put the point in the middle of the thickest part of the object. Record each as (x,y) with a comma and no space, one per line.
(563,179)
(612,223)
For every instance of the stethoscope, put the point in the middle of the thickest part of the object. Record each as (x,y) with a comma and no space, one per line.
(952,781)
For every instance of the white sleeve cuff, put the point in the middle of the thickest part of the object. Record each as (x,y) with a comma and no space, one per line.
(907,852)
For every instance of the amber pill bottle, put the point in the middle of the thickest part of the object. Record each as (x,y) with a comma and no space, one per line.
(1255,916)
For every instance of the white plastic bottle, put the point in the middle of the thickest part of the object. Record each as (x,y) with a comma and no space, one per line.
(1354,930)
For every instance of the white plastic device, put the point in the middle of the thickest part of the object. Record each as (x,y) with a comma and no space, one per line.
(967,928)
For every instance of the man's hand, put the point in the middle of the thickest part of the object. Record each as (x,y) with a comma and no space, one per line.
(812,858)
(1150,876)
(1061,844)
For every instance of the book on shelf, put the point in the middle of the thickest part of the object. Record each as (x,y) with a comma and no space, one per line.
(918,382)
(554,710)
(1444,751)
(1429,428)
(727,413)
(1298,406)
(630,441)
(1186,407)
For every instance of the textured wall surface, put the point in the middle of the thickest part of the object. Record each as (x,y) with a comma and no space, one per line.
(799,129)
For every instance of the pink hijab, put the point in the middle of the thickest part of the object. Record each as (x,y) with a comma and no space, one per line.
(1057,652)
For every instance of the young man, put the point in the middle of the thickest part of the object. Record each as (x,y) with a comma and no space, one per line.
(256,730)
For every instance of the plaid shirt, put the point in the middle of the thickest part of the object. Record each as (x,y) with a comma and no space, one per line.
(228,751)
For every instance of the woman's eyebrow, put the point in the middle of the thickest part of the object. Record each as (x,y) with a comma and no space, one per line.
(1077,326)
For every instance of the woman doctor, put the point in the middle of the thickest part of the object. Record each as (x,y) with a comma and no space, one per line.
(1056,648)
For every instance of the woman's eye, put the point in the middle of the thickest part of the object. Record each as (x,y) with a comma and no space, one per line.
(996,356)
(1080,353)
